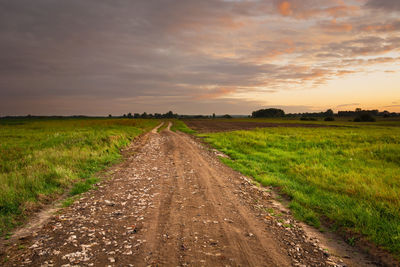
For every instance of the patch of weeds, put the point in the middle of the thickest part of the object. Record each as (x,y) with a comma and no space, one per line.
(20,247)
(305,214)
(351,241)
(7,236)
(68,202)
(287,225)
(270,211)
(83,186)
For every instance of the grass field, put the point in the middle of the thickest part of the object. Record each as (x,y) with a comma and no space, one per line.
(347,176)
(40,159)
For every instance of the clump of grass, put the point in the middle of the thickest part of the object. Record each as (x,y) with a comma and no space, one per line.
(348,176)
(83,186)
(163,127)
(68,202)
(41,158)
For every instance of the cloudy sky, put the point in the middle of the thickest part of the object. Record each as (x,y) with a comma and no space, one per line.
(97,57)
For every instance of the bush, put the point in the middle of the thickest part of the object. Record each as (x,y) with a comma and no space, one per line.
(329,119)
(308,119)
(366,117)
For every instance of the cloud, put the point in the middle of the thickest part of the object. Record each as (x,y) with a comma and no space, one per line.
(348,105)
(370,45)
(178,51)
(305,9)
(285,8)
(392,106)
(334,26)
(382,27)
(216,93)
(387,5)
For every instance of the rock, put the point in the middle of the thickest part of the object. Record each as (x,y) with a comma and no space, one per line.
(109,203)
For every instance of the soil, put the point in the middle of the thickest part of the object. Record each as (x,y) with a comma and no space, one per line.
(209,126)
(172,203)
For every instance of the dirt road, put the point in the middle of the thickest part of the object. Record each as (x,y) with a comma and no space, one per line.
(170,203)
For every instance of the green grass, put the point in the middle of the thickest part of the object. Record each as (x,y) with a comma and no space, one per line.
(41,158)
(348,176)
(179,125)
(164,126)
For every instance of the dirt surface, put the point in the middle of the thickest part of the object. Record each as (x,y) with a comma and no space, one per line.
(210,126)
(172,203)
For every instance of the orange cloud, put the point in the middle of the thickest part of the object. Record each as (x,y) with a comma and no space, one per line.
(299,10)
(341,11)
(380,27)
(216,93)
(344,72)
(285,47)
(335,26)
(285,8)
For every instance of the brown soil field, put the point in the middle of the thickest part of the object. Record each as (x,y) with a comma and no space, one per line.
(209,126)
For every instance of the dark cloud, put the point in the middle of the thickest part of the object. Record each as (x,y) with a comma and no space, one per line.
(388,5)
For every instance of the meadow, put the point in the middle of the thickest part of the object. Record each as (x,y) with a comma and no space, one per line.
(346,177)
(40,159)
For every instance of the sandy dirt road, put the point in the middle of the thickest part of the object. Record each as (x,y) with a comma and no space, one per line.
(170,203)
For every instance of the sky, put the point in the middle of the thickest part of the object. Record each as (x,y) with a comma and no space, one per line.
(100,57)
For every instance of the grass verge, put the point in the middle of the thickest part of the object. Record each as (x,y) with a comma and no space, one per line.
(178,125)
(41,158)
(347,176)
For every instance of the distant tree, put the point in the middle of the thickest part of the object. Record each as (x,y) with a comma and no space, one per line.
(213,116)
(136,115)
(268,113)
(130,115)
(329,113)
(109,115)
(144,115)
(124,116)
(329,119)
